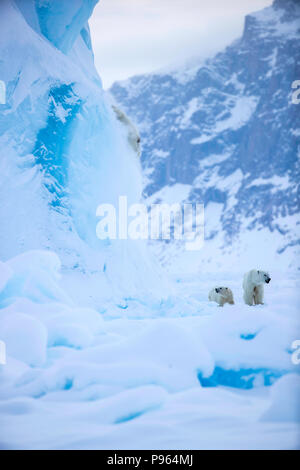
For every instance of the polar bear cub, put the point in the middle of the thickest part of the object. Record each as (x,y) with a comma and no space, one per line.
(253,286)
(221,295)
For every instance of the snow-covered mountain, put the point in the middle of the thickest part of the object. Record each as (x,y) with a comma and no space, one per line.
(226,133)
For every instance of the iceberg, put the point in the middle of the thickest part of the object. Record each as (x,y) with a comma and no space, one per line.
(64,150)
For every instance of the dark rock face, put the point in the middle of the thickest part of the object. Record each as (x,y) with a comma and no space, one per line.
(229,128)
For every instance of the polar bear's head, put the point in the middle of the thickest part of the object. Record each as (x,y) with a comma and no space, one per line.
(226,293)
(222,290)
(260,277)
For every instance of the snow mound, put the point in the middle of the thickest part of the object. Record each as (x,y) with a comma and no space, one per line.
(5,275)
(35,276)
(25,338)
(285,400)
(207,345)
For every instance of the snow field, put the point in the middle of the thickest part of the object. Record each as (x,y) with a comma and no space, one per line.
(77,378)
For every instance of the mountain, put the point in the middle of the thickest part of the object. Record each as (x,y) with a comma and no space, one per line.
(226,133)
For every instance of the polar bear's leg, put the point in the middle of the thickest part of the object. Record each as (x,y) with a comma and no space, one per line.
(248,296)
(255,291)
(259,295)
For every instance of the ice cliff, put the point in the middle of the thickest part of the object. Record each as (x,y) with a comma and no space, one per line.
(63,151)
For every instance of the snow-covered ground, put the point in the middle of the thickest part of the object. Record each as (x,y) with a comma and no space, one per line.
(180,374)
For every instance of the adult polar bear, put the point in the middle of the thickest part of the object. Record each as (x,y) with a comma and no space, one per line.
(253,286)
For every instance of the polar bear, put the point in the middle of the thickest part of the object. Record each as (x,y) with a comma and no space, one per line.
(133,135)
(253,286)
(221,295)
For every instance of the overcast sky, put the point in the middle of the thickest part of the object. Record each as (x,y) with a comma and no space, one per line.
(138,36)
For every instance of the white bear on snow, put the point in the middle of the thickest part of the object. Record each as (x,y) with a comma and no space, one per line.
(253,286)
(221,295)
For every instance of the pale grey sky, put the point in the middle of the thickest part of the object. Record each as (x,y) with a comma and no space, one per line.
(137,36)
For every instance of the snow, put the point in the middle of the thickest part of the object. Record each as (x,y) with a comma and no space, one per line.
(213,214)
(236,83)
(201,140)
(295,132)
(214,159)
(240,113)
(160,154)
(192,107)
(171,194)
(62,147)
(230,183)
(278,183)
(218,255)
(189,371)
(273,19)
(268,15)
(283,409)
(35,276)
(183,72)
(5,275)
